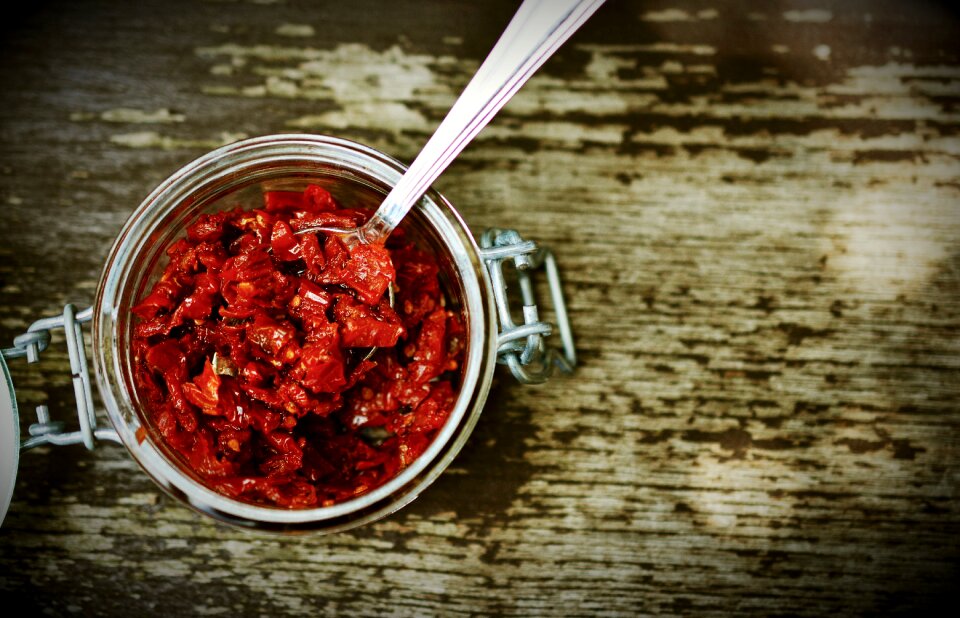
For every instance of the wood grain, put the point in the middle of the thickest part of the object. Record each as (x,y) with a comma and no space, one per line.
(755,208)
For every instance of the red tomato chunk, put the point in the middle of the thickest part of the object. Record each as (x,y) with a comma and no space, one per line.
(250,354)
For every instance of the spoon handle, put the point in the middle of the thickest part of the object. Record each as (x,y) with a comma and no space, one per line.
(536,31)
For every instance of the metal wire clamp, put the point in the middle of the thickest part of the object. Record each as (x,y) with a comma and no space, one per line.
(29,345)
(522,347)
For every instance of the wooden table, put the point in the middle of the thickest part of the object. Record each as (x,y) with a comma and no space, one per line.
(755,207)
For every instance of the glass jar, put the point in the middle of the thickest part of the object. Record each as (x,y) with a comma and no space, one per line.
(358,177)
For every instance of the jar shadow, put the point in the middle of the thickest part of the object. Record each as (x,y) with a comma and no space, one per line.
(485,478)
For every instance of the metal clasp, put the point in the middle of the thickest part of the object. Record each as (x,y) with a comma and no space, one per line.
(522,347)
(29,345)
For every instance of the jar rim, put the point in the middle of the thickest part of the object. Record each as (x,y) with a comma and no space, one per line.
(219,166)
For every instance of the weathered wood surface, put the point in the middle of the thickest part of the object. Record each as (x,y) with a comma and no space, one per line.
(756,210)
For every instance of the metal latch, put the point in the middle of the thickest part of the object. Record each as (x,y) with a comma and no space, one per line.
(522,347)
(29,345)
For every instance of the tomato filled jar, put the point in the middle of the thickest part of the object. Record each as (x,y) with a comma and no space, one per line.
(284,381)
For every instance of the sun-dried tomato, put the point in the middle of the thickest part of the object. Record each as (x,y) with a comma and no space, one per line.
(285,246)
(251,353)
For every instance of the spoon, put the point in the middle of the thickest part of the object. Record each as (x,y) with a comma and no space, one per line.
(536,31)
